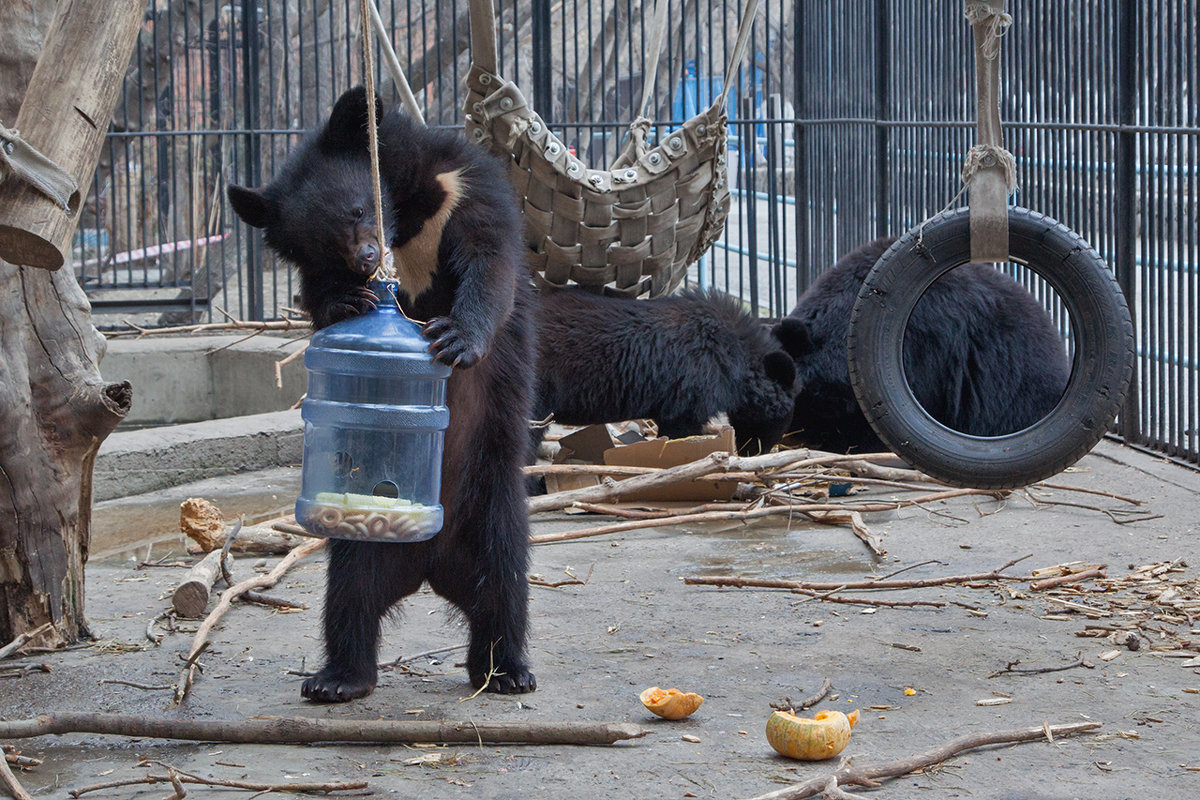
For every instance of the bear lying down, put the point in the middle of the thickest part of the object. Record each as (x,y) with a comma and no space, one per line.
(680,360)
(453,224)
(981,354)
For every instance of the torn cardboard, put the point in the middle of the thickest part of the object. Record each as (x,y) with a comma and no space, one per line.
(597,444)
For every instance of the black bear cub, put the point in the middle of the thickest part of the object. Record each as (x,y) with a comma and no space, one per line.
(679,360)
(981,355)
(455,231)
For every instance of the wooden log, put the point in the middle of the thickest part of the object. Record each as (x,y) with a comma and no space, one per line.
(65,115)
(191,596)
(300,730)
(259,540)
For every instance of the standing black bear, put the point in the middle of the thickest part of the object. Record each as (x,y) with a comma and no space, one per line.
(679,360)
(455,231)
(981,355)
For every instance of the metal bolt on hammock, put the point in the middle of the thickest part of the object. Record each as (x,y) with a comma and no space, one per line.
(632,229)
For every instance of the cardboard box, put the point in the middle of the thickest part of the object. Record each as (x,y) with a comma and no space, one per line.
(665,453)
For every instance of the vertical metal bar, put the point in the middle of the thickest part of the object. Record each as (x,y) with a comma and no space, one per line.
(252,164)
(883,112)
(1128,28)
(800,144)
(542,66)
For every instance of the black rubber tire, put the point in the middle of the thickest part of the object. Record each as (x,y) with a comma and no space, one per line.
(1100,373)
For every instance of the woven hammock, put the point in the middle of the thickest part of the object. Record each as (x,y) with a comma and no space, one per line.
(632,229)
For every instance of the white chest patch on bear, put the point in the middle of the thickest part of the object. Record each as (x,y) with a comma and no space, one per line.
(416,259)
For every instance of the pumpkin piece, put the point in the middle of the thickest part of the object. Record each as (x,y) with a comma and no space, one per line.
(670,703)
(823,736)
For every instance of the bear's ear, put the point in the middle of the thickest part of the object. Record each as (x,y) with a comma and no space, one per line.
(251,205)
(793,335)
(347,126)
(780,368)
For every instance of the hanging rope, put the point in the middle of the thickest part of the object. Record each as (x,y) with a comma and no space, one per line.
(997,21)
(386,269)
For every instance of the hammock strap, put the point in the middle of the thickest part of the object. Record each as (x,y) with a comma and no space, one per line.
(483,35)
(739,49)
(484,53)
(990,170)
(657,34)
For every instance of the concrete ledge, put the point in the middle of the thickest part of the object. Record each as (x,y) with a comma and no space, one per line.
(140,461)
(179,379)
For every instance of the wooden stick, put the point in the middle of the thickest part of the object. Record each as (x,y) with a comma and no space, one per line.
(200,327)
(261,540)
(681,519)
(868,775)
(177,777)
(855,521)
(227,597)
(191,596)
(1050,583)
(301,730)
(10,781)
(819,586)
(283,362)
(23,639)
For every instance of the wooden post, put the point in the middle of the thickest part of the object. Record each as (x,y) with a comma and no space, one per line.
(65,115)
(55,408)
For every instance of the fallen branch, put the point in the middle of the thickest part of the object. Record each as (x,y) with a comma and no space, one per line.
(820,586)
(303,730)
(261,540)
(23,639)
(832,597)
(706,468)
(786,704)
(10,781)
(1011,668)
(803,509)
(435,652)
(177,777)
(855,521)
(15,759)
(1074,577)
(227,597)
(233,325)
(191,596)
(869,775)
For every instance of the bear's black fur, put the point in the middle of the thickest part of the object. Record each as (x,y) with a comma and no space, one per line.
(455,228)
(679,360)
(981,354)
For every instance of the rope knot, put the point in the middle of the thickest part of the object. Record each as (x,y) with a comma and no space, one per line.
(986,156)
(996,22)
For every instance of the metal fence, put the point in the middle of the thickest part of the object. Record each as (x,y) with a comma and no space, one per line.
(848,120)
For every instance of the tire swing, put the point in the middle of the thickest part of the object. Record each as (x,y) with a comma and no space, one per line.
(630,230)
(990,231)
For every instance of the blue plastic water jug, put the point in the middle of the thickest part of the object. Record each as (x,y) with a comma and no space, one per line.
(374,419)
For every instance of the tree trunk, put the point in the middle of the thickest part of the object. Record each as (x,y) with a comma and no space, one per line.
(55,410)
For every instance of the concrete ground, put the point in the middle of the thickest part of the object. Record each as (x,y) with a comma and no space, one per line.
(635,624)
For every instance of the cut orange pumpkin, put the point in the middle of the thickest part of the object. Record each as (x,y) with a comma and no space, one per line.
(670,703)
(823,736)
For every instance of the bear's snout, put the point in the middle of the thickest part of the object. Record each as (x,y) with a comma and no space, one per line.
(367,258)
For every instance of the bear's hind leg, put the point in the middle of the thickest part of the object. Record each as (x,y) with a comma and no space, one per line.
(365,579)
(484,574)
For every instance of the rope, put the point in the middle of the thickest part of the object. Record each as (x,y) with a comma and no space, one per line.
(393,65)
(985,156)
(386,270)
(997,21)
